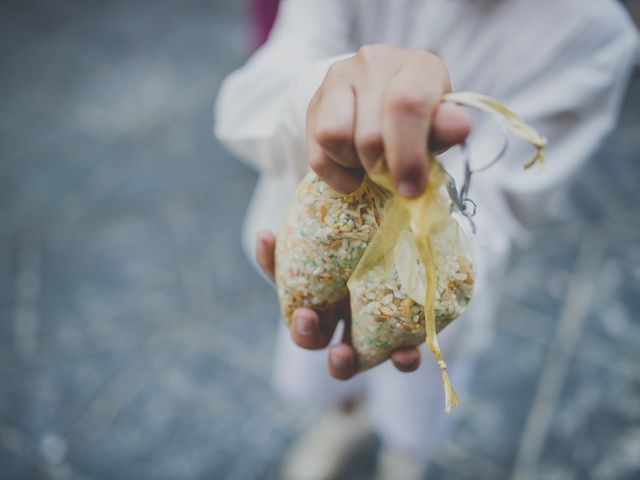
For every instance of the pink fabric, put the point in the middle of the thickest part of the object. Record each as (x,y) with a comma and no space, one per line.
(263,14)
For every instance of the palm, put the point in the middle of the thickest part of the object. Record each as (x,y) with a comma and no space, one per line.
(314,329)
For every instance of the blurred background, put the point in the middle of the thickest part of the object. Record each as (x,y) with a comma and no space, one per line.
(135,338)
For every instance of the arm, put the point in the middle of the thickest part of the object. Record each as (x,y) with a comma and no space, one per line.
(285,72)
(575,102)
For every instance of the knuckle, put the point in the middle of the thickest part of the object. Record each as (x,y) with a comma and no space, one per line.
(411,99)
(412,167)
(369,141)
(340,375)
(368,54)
(335,71)
(412,162)
(312,107)
(332,135)
(426,56)
(365,53)
(408,163)
(307,343)
(319,163)
(433,66)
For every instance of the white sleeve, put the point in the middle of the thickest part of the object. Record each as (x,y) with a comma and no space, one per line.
(574,101)
(282,75)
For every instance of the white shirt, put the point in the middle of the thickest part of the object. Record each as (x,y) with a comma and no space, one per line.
(562,65)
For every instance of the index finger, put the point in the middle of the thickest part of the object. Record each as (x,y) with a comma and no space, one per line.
(409,106)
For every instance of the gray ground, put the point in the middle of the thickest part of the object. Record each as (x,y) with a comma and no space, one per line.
(134,336)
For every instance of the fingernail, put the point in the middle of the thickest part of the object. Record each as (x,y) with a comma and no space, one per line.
(411,359)
(260,238)
(341,362)
(409,188)
(304,324)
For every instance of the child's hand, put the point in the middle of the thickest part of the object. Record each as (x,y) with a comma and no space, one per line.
(382,100)
(313,331)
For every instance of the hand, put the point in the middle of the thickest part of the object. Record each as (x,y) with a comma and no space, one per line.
(313,331)
(383,100)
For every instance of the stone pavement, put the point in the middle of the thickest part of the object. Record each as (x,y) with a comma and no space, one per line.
(135,337)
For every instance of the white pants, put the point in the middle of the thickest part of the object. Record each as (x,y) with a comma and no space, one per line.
(406,409)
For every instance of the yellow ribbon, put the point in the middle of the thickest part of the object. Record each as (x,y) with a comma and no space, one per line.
(514,124)
(426,213)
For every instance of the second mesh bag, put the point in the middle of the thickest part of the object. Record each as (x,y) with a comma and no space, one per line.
(391,286)
(414,279)
(417,275)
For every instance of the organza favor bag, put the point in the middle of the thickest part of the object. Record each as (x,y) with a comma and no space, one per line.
(417,275)
(415,278)
(323,238)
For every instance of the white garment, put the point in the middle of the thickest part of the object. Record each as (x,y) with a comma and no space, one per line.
(562,65)
(406,409)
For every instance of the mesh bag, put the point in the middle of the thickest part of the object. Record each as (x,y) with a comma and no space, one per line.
(406,263)
(414,279)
